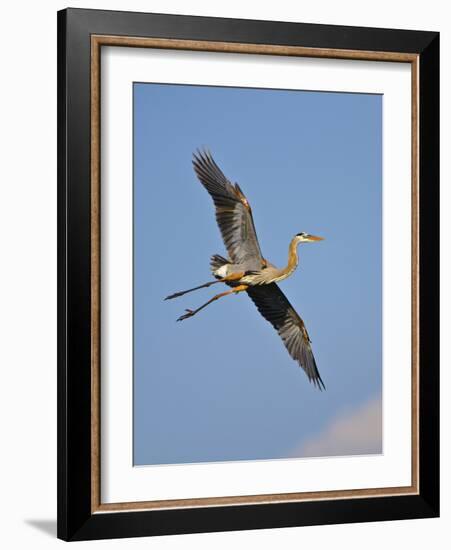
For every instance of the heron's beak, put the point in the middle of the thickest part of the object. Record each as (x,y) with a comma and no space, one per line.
(313,239)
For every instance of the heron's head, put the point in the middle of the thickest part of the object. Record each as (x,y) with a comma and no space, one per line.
(307,238)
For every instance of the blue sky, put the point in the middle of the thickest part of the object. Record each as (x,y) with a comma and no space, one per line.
(221,386)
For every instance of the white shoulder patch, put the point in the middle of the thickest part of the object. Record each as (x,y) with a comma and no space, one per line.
(221,271)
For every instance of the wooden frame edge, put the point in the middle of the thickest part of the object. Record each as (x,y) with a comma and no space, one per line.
(249,48)
(415,269)
(228,47)
(95,276)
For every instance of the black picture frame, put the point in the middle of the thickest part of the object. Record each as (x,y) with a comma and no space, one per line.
(76,520)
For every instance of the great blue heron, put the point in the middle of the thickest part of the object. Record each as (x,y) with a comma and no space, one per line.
(247,270)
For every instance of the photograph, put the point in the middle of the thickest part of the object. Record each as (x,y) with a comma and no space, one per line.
(225,285)
(248,257)
(231,188)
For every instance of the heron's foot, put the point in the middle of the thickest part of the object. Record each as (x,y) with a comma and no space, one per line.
(189,313)
(175,295)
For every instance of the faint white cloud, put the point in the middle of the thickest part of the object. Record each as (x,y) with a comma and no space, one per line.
(355,432)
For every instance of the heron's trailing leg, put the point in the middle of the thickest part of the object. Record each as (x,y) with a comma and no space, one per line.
(231,277)
(182,292)
(191,312)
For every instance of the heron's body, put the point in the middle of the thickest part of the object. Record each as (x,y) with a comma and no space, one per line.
(260,273)
(246,270)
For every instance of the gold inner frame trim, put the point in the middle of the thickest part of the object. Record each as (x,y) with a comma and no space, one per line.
(97,41)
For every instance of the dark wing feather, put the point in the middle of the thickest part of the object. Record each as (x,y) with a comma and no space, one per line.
(233,212)
(272,303)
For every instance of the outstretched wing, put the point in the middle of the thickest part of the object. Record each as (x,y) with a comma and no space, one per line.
(233,212)
(275,308)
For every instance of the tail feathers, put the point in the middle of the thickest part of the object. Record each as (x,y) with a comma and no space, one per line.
(217,261)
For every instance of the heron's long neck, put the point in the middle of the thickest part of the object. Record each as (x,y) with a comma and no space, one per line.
(293,259)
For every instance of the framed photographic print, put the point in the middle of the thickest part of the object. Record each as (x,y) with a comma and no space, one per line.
(248,274)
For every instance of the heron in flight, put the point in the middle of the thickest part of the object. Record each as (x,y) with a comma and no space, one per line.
(247,270)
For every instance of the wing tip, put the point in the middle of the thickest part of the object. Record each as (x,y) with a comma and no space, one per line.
(202,155)
(318,382)
(315,377)
(205,166)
